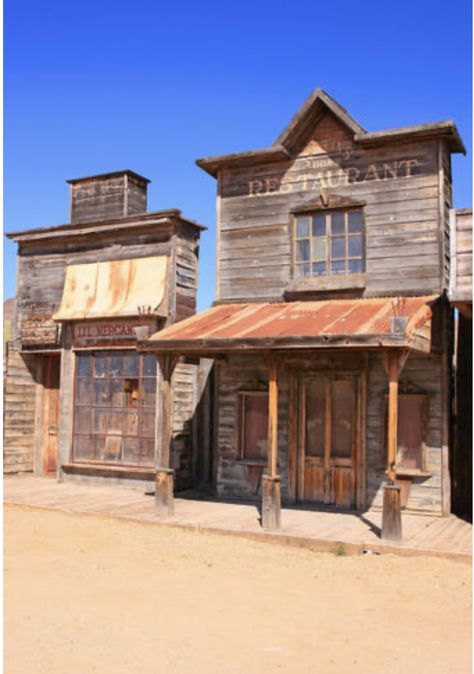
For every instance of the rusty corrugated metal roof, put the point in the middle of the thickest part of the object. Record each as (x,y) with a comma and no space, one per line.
(113,289)
(279,323)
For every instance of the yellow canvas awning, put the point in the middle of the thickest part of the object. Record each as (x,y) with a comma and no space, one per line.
(114,289)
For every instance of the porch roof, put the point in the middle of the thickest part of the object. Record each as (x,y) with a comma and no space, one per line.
(299,325)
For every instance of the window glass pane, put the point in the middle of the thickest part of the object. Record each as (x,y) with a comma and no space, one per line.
(343,398)
(83,448)
(130,364)
(315,410)
(148,392)
(83,391)
(355,221)
(82,420)
(117,364)
(302,227)
(102,392)
(338,247)
(338,267)
(100,364)
(319,268)
(255,421)
(147,451)
(337,223)
(355,246)
(319,225)
(355,266)
(130,423)
(110,447)
(302,250)
(149,365)
(83,364)
(303,270)
(147,428)
(118,395)
(319,248)
(131,450)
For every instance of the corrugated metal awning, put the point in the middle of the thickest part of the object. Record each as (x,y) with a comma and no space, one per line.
(118,288)
(326,324)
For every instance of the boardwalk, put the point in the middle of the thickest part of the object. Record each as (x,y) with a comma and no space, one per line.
(350,533)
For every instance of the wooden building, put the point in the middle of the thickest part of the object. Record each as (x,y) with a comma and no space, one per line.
(331,332)
(460,295)
(80,401)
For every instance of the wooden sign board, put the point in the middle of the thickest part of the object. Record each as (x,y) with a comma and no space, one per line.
(109,332)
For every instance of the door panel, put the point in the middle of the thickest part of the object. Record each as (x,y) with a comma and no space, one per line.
(50,414)
(327,439)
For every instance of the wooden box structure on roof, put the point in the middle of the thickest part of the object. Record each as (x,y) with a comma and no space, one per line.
(80,401)
(331,332)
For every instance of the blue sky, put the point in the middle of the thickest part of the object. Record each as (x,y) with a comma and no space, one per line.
(96,86)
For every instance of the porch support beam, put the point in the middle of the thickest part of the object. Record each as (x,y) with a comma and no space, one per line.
(271,494)
(164,473)
(391,518)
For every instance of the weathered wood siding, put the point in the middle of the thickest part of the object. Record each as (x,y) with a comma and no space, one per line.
(403,189)
(461,277)
(237,479)
(100,198)
(18,411)
(424,374)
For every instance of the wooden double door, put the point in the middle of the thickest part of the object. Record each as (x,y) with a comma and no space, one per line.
(329,434)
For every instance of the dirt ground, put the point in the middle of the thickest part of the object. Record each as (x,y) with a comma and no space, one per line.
(88,594)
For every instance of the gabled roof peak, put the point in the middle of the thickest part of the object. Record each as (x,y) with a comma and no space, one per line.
(309,112)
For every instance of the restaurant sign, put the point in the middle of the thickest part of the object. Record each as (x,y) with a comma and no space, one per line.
(95,333)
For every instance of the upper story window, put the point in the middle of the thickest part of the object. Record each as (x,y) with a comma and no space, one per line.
(329,243)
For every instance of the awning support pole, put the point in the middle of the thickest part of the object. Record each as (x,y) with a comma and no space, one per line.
(271,496)
(164,473)
(391,517)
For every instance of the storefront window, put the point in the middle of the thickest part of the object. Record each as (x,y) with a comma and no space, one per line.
(114,415)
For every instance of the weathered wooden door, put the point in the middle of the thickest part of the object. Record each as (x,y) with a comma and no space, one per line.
(328,438)
(50,414)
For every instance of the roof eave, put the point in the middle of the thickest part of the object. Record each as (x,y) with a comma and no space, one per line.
(237,159)
(446,129)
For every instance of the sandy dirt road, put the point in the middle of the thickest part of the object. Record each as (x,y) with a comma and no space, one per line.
(85,594)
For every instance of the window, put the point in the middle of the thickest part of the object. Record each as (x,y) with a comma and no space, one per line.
(114,413)
(329,243)
(253,425)
(411,432)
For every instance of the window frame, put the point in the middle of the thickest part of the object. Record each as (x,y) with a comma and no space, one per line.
(328,276)
(400,469)
(242,397)
(143,411)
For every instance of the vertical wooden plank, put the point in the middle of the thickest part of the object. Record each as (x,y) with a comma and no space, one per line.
(215,428)
(301,434)
(218,235)
(328,481)
(392,416)
(361,440)
(445,409)
(272,417)
(292,435)
(66,401)
(39,402)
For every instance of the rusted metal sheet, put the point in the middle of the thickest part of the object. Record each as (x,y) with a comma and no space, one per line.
(112,289)
(39,331)
(293,320)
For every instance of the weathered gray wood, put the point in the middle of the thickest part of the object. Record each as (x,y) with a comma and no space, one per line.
(391,516)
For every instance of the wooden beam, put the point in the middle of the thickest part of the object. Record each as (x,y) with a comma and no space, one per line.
(164,435)
(272,417)
(392,416)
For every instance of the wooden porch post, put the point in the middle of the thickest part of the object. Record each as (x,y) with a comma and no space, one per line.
(164,473)
(391,518)
(271,496)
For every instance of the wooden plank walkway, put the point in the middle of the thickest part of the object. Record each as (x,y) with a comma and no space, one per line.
(448,537)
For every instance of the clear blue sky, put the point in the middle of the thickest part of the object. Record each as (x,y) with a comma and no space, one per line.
(97,86)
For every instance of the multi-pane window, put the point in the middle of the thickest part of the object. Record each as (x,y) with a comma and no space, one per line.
(329,243)
(114,412)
